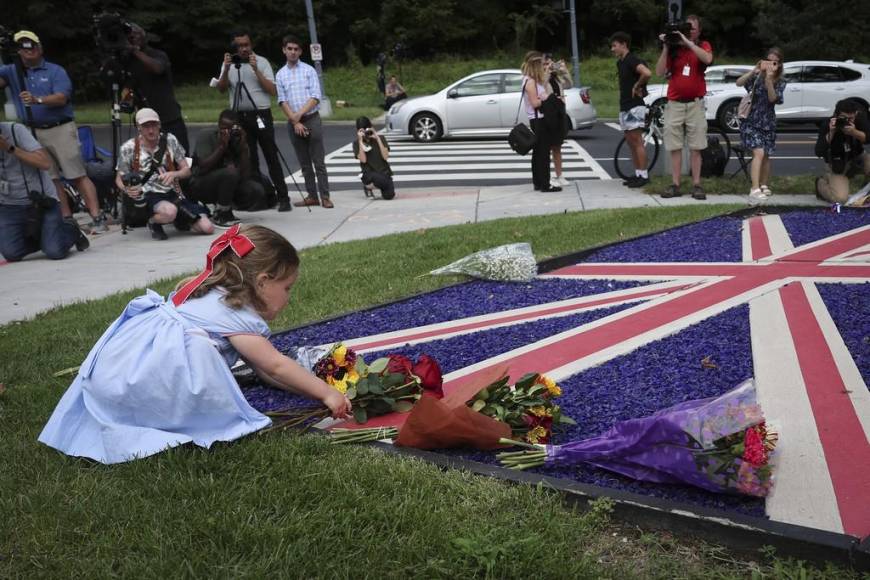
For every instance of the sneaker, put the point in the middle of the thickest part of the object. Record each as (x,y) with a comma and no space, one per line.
(98,226)
(672,191)
(225,218)
(157,232)
(555,183)
(562,181)
(638,181)
(81,242)
(757,196)
(766,190)
(698,193)
(284,205)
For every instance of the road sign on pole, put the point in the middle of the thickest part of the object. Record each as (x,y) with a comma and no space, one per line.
(316,52)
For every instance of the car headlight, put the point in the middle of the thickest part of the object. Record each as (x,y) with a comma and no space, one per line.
(395,108)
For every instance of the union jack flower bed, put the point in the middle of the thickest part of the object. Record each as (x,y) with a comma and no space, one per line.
(640,326)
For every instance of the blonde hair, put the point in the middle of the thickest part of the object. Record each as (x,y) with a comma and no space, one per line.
(533,67)
(272,255)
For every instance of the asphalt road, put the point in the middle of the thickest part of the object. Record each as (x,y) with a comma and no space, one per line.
(794,153)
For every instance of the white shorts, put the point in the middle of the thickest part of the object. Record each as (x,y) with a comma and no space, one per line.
(634,118)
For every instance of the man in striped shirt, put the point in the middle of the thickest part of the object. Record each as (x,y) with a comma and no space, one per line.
(299,98)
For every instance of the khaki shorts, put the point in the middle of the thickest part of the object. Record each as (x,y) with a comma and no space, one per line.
(62,144)
(835,187)
(688,119)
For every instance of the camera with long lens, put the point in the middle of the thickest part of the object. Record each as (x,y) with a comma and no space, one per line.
(133,179)
(235,57)
(40,200)
(841,123)
(370,133)
(672,33)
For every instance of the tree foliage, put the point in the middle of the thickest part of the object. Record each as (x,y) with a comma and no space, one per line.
(195,35)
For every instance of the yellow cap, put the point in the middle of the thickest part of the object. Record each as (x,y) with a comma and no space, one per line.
(25,34)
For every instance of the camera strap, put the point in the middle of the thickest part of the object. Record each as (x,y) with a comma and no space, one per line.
(522,97)
(21,165)
(156,159)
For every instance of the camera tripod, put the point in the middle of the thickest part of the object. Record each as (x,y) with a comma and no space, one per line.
(242,90)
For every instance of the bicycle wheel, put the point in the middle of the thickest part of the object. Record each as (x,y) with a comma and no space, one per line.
(622,163)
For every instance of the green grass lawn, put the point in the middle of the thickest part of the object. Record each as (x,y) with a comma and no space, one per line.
(288,505)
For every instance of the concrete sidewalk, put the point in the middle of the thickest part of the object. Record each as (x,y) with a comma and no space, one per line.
(117,262)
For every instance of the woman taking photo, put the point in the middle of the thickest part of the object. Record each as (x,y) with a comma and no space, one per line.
(535,91)
(765,86)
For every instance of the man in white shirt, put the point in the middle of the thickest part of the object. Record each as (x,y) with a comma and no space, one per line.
(299,96)
(254,106)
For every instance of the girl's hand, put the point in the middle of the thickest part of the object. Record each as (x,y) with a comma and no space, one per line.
(167,177)
(339,405)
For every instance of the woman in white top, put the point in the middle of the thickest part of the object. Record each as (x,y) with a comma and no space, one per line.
(536,89)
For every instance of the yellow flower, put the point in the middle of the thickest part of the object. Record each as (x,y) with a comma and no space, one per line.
(536,434)
(338,355)
(352,376)
(540,411)
(551,385)
(338,385)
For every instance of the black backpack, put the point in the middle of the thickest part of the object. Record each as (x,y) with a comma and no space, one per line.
(713,158)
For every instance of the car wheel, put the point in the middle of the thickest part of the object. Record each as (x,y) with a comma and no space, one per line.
(727,117)
(657,112)
(426,127)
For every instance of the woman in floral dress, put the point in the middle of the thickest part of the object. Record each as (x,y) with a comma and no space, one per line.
(758,129)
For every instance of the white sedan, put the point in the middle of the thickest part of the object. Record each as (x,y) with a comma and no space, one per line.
(483,104)
(717,77)
(813,89)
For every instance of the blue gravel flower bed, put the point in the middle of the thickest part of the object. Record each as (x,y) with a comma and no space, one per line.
(849,305)
(808,226)
(459,301)
(648,379)
(712,240)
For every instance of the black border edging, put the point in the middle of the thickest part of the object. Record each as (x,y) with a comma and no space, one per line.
(742,533)
(739,532)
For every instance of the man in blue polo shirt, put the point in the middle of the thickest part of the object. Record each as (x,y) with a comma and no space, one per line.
(47,92)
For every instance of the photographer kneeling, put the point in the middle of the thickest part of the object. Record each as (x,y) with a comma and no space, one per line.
(841,144)
(222,171)
(30,218)
(149,169)
(372,150)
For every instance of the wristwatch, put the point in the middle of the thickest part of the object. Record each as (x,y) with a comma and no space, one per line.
(38,100)
(11,149)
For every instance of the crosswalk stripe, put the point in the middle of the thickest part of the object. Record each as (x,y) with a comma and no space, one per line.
(487,162)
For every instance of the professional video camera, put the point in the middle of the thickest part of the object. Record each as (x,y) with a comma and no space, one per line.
(7,44)
(672,33)
(110,34)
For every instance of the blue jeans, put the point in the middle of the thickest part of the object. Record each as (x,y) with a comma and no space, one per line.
(56,239)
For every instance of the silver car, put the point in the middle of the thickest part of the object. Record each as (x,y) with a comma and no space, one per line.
(483,104)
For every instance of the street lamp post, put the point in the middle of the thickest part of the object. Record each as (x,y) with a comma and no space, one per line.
(575,47)
(325,105)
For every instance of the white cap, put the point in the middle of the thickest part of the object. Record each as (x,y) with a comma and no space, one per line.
(146,115)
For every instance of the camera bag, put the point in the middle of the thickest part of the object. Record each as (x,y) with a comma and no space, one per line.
(521,138)
(39,202)
(713,159)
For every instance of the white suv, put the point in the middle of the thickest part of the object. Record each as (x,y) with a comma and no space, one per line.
(814,87)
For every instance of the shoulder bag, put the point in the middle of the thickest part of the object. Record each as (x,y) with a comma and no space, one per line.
(745,105)
(521,138)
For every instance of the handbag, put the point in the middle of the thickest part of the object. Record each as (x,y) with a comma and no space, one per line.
(521,138)
(745,105)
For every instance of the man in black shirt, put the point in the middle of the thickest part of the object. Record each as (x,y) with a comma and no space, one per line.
(841,144)
(372,150)
(151,75)
(633,77)
(222,170)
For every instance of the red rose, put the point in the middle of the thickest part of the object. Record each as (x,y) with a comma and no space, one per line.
(399,364)
(430,376)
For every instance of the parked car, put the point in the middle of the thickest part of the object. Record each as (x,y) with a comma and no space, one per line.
(482,104)
(813,89)
(718,77)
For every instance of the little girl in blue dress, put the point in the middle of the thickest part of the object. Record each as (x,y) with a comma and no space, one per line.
(160,375)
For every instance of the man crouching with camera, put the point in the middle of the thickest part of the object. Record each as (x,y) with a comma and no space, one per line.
(841,144)
(149,169)
(222,171)
(372,150)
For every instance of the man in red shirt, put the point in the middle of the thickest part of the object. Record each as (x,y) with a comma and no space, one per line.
(684,114)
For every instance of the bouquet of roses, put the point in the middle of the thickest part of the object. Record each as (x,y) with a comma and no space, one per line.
(527,406)
(720,444)
(386,385)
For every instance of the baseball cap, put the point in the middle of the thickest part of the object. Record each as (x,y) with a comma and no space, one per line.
(146,115)
(25,35)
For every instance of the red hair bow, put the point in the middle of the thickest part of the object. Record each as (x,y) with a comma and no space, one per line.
(240,244)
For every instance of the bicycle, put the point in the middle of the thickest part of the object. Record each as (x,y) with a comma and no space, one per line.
(652,140)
